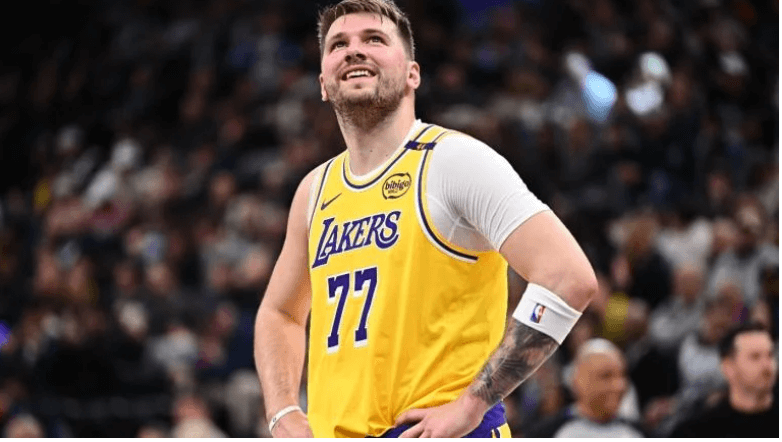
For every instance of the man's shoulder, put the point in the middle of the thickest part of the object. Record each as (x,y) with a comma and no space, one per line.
(465,153)
(455,139)
(316,173)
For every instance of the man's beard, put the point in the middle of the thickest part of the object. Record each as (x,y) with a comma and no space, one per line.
(368,109)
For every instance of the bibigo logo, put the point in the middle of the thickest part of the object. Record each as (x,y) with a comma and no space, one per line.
(396,185)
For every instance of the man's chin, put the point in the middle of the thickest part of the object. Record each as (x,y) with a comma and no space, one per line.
(358,97)
(349,102)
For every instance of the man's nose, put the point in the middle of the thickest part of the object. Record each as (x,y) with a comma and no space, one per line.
(353,55)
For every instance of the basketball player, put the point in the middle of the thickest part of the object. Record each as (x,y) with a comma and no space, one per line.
(398,250)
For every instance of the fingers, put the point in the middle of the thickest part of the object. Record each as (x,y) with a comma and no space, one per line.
(410,416)
(414,431)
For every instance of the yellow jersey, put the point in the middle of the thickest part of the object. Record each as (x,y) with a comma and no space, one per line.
(401,318)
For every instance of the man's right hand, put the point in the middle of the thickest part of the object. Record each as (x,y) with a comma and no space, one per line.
(293,424)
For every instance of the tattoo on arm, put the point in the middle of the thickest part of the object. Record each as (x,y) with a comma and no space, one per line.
(522,352)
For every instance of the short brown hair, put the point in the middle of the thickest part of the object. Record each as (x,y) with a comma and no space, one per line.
(727,345)
(384,8)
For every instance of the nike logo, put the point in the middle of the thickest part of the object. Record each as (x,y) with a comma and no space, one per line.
(326,204)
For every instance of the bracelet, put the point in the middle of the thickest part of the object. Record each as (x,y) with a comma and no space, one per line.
(280,414)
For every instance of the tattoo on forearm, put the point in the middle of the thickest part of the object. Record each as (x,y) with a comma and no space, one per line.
(521,353)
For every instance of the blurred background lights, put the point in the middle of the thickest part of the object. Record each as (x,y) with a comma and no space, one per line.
(599,96)
(654,67)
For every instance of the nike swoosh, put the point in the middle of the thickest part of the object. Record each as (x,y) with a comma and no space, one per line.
(326,204)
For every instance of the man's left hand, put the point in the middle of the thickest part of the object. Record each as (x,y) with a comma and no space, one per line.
(454,419)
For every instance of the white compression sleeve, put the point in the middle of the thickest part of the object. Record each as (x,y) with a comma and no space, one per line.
(475,197)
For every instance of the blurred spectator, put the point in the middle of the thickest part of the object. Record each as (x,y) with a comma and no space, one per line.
(680,314)
(638,270)
(23,426)
(751,408)
(540,397)
(750,256)
(766,311)
(156,431)
(685,239)
(193,419)
(599,384)
(698,359)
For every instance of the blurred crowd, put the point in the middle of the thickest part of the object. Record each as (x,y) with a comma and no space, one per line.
(149,151)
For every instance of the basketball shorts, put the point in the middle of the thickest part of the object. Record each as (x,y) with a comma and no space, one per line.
(492,425)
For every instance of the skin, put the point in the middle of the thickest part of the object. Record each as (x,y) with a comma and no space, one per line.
(541,250)
(370,124)
(599,384)
(751,371)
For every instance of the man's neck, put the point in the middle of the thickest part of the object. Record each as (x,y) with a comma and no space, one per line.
(370,147)
(750,402)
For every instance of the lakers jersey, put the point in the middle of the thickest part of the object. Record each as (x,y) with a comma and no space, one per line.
(400,317)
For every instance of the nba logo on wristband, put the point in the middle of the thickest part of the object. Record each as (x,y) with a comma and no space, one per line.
(537,313)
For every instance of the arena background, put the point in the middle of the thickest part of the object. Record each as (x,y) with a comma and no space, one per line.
(149,151)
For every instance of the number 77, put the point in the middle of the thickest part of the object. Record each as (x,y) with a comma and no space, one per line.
(339,285)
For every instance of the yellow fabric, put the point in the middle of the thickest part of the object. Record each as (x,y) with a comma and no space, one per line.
(615,315)
(436,312)
(505,431)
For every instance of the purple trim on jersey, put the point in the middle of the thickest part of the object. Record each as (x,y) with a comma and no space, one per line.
(493,418)
(364,186)
(414,145)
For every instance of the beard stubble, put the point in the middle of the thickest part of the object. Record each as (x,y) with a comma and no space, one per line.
(367,110)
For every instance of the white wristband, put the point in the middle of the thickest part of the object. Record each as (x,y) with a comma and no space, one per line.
(546,312)
(280,414)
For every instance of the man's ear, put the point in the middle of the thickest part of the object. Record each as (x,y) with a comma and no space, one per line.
(414,75)
(324,96)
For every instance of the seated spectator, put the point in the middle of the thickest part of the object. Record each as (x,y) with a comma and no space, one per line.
(766,310)
(680,314)
(599,385)
(193,418)
(751,409)
(751,255)
(698,355)
(650,273)
(686,237)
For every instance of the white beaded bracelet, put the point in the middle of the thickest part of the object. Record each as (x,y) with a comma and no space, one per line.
(280,414)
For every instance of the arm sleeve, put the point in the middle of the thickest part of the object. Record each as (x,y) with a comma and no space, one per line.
(473,191)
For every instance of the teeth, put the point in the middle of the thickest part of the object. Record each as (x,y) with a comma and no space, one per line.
(359,73)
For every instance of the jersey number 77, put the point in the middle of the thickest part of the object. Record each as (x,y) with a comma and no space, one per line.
(339,286)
